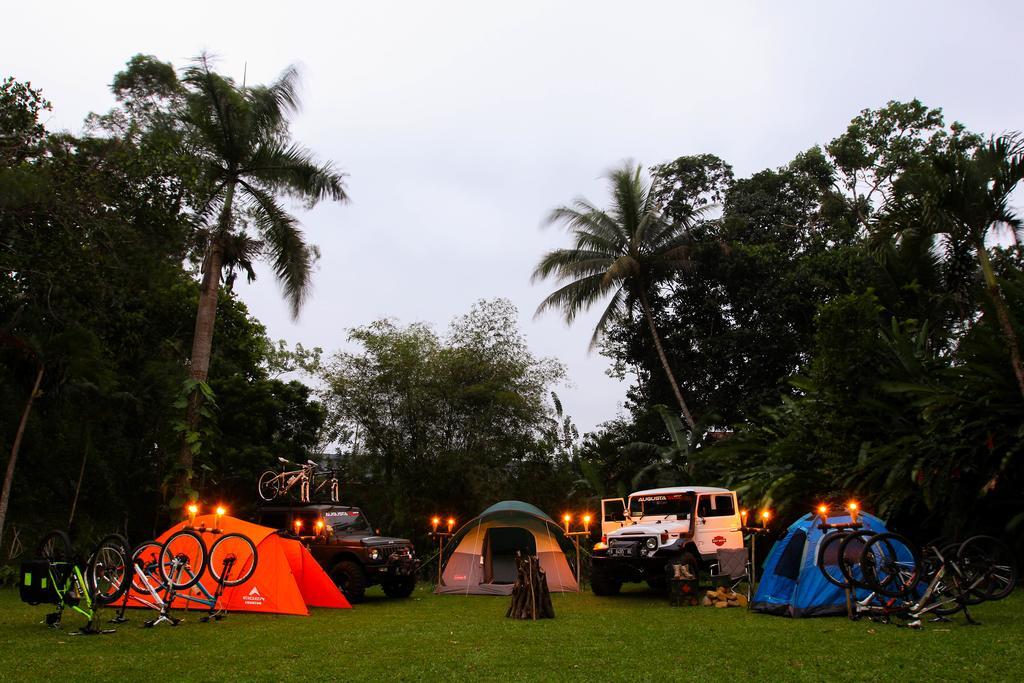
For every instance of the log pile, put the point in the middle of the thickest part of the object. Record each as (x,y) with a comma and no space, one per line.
(530,596)
(724,597)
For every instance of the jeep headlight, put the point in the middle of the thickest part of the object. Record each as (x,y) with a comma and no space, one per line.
(376,554)
(651,543)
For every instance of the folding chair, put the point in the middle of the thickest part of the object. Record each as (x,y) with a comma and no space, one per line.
(732,568)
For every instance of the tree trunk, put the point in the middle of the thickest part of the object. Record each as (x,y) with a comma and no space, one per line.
(5,494)
(202,338)
(1003,313)
(81,475)
(664,360)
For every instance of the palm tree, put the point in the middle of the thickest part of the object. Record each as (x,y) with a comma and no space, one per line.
(966,198)
(239,137)
(624,254)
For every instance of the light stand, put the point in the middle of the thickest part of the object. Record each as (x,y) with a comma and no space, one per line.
(442,538)
(575,536)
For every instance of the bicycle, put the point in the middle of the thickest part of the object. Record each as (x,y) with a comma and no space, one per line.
(56,576)
(893,569)
(331,483)
(184,557)
(273,484)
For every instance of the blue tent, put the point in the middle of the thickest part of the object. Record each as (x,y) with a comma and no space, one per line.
(791,584)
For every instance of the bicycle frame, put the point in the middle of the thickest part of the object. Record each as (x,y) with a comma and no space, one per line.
(302,476)
(72,581)
(926,604)
(160,603)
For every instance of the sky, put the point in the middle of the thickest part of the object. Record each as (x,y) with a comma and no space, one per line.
(461,125)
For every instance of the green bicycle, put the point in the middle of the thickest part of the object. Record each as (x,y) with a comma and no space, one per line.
(57,576)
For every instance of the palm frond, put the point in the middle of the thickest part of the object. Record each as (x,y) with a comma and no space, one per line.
(290,256)
(292,169)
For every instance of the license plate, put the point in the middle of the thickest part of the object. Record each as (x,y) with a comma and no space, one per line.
(620,552)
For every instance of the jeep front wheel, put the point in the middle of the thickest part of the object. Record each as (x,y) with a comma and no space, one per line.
(349,577)
(603,582)
(401,587)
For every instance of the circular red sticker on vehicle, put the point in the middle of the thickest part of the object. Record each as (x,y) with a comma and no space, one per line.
(718,540)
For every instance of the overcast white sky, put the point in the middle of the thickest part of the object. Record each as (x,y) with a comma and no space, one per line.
(462,124)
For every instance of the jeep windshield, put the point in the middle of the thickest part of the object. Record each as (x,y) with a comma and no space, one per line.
(679,505)
(347,520)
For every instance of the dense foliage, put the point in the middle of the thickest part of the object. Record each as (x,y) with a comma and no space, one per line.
(432,424)
(98,293)
(848,327)
(845,324)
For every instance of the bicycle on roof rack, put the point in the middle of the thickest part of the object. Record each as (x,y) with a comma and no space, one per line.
(56,575)
(277,484)
(165,572)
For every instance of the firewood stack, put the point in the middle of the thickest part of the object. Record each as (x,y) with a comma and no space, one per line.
(530,596)
(724,597)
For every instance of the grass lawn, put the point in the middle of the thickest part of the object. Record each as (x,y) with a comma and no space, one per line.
(635,636)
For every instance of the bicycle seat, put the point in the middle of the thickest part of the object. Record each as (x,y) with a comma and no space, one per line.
(280,459)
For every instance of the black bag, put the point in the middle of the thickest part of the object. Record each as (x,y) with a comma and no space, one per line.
(36,584)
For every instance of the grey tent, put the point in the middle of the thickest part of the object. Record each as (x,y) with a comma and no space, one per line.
(481,559)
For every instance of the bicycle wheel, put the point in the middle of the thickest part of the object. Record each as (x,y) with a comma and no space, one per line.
(55,547)
(107,574)
(147,558)
(827,559)
(269,485)
(183,559)
(850,551)
(891,565)
(988,568)
(233,559)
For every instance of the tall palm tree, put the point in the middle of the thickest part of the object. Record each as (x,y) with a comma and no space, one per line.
(965,197)
(623,254)
(240,139)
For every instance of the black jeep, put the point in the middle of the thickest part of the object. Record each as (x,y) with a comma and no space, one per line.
(342,541)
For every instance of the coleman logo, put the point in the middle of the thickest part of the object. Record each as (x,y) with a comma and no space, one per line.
(254,597)
(718,540)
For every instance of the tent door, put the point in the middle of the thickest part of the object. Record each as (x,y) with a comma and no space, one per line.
(613,515)
(500,547)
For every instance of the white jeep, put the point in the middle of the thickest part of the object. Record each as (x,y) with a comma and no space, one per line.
(659,527)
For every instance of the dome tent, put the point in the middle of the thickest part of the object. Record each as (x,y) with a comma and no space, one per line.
(791,583)
(481,559)
(287,579)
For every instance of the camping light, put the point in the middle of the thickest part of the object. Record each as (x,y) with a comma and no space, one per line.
(743,516)
(586,523)
(451,524)
(566,518)
(854,508)
(319,526)
(192,510)
(766,515)
(221,511)
(298,527)
(823,512)
(435,521)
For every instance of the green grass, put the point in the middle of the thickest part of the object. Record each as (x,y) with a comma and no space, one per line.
(635,636)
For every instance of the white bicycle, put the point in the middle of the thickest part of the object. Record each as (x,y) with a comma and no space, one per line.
(274,485)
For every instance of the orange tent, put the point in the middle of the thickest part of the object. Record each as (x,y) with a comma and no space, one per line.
(287,579)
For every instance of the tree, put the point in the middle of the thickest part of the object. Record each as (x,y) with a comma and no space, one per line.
(626,253)
(239,137)
(452,422)
(965,198)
